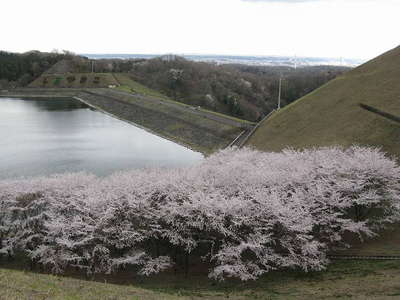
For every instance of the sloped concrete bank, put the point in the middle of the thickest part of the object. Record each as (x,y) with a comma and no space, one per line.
(194,132)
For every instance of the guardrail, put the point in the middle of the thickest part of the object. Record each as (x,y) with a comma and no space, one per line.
(236,139)
(255,128)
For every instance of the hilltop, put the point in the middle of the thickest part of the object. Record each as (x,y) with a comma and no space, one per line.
(331,115)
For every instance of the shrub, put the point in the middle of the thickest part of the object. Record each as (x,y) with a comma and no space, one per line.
(70,79)
(57,80)
(243,212)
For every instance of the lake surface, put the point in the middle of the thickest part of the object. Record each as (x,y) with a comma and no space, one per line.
(42,137)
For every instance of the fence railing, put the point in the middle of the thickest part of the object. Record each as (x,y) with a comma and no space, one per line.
(255,128)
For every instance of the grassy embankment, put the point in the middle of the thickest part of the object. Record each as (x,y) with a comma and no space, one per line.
(181,126)
(343,280)
(331,115)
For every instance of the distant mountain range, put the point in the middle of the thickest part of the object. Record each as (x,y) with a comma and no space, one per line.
(246,60)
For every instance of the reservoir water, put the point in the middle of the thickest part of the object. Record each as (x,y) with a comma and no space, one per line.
(47,136)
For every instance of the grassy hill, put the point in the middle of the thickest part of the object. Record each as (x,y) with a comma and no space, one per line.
(74,80)
(331,115)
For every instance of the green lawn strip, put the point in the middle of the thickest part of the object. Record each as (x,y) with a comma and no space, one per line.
(28,285)
(342,279)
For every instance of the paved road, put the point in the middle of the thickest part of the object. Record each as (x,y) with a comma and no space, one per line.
(242,140)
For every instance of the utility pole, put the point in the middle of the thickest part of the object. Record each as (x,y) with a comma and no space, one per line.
(280,91)
(92,66)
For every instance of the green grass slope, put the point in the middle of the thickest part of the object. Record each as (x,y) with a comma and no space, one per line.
(128,85)
(362,280)
(74,80)
(331,114)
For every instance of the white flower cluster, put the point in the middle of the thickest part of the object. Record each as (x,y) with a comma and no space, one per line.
(241,213)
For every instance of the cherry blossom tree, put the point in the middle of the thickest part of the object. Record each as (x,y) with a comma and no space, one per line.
(241,213)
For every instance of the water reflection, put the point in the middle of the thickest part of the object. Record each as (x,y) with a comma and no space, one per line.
(41,137)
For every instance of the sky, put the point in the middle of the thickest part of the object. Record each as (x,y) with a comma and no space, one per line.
(315,28)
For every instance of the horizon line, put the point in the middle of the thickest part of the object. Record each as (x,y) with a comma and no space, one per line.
(228,55)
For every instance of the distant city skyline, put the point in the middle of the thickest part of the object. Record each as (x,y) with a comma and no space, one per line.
(213,54)
(358,29)
(267,60)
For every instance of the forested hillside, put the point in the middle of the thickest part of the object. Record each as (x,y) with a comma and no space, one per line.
(244,91)
(20,69)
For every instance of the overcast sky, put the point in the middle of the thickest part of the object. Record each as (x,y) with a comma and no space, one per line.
(322,28)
